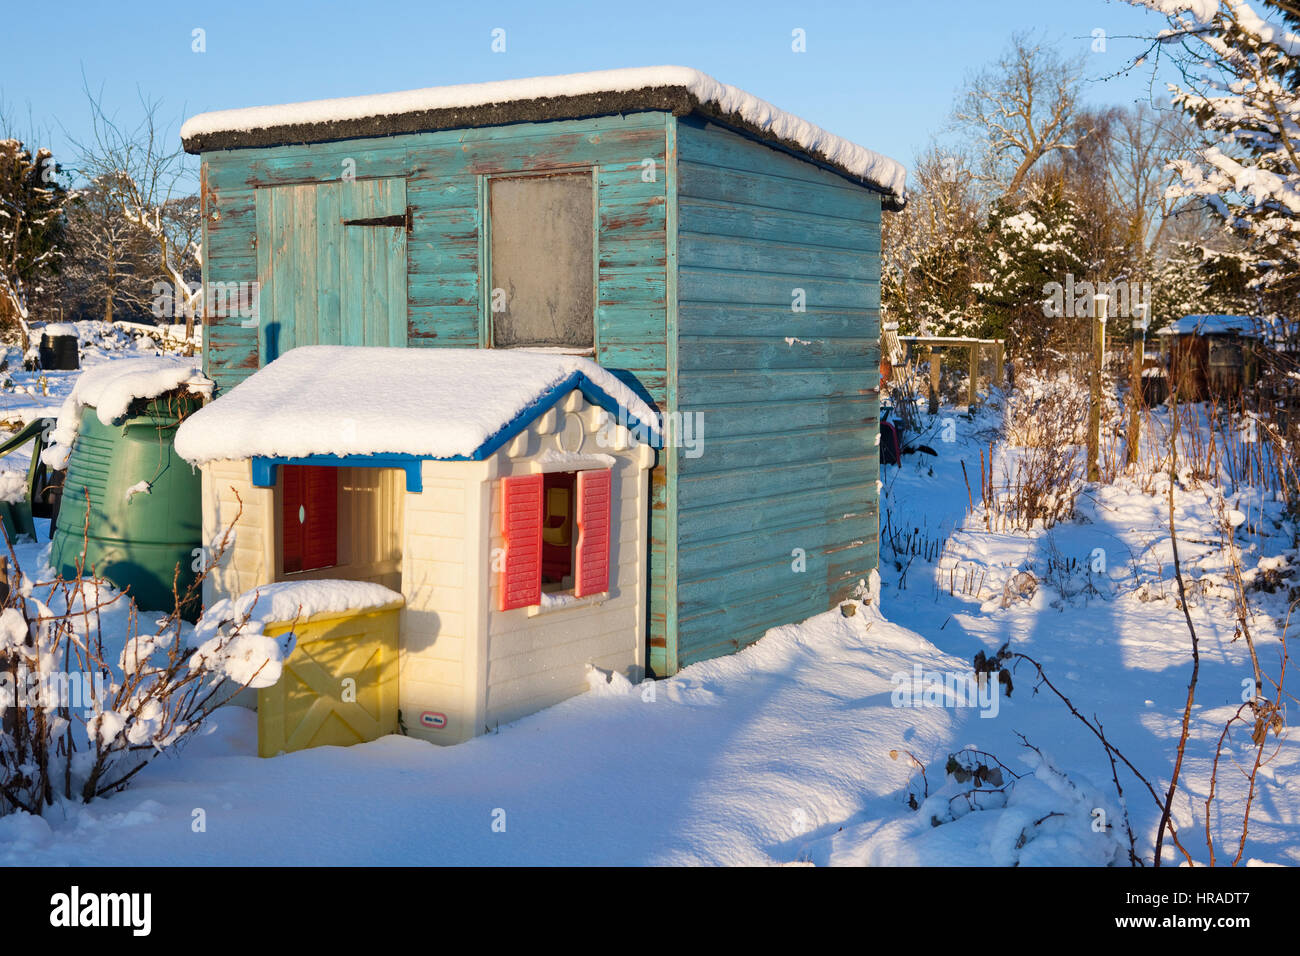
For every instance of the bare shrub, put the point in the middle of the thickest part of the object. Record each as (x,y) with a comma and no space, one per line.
(78,721)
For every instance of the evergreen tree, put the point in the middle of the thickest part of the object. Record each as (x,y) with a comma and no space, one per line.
(1240,66)
(933,252)
(1033,241)
(33,229)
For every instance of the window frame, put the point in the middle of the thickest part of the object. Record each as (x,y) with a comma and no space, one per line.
(566,597)
(485,252)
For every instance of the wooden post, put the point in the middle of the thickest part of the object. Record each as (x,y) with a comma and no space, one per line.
(1000,356)
(935,362)
(1098,324)
(1136,398)
(973,393)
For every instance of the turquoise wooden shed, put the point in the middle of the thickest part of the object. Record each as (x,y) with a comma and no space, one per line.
(718,254)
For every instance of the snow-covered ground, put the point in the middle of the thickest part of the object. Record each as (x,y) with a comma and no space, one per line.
(795,750)
(26,395)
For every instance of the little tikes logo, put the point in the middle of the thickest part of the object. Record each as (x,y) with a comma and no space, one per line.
(76,909)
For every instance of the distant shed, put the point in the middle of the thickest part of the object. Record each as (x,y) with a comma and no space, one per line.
(1212,355)
(721,255)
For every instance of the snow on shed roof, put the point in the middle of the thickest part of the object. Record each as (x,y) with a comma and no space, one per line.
(677,89)
(431,403)
(1213,325)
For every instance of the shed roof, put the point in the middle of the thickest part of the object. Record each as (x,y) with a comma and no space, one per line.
(431,403)
(675,89)
(1213,325)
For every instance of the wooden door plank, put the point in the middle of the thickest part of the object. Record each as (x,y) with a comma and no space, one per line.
(329,215)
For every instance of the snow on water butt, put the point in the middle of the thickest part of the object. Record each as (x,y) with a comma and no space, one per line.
(110,389)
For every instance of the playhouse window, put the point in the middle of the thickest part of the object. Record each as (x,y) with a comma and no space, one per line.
(542,288)
(557,531)
(340,522)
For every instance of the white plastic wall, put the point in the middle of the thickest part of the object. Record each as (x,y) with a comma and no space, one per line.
(536,658)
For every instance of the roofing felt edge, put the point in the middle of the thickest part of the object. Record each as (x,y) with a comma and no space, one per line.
(675,99)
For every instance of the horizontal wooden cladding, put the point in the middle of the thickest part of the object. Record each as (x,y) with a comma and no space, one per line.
(695,284)
(443,324)
(708,489)
(731,319)
(231,225)
(720,354)
(231,352)
(619,285)
(446,195)
(645,251)
(710,628)
(617,141)
(631,324)
(456,219)
(780,508)
(773,257)
(231,270)
(702,389)
(460,288)
(789,227)
(442,255)
(774,507)
(723,571)
(644,361)
(703,143)
(781,448)
(701,181)
(640,215)
(744,419)
(621,188)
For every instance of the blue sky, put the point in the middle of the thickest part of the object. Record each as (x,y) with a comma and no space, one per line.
(881,74)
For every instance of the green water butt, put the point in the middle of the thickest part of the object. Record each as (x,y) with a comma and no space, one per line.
(136,539)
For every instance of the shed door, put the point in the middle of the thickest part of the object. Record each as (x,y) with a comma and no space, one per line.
(331,264)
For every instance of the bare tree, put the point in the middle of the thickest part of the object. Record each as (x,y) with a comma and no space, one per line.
(148,175)
(111,264)
(1024,107)
(1144,145)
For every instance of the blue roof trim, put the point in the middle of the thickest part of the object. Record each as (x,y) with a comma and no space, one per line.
(577,380)
(264,468)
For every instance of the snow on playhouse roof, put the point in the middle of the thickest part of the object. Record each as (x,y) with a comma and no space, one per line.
(676,89)
(1212,325)
(364,400)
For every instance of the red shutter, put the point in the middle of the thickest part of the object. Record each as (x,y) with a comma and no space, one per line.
(591,572)
(309,517)
(521,526)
